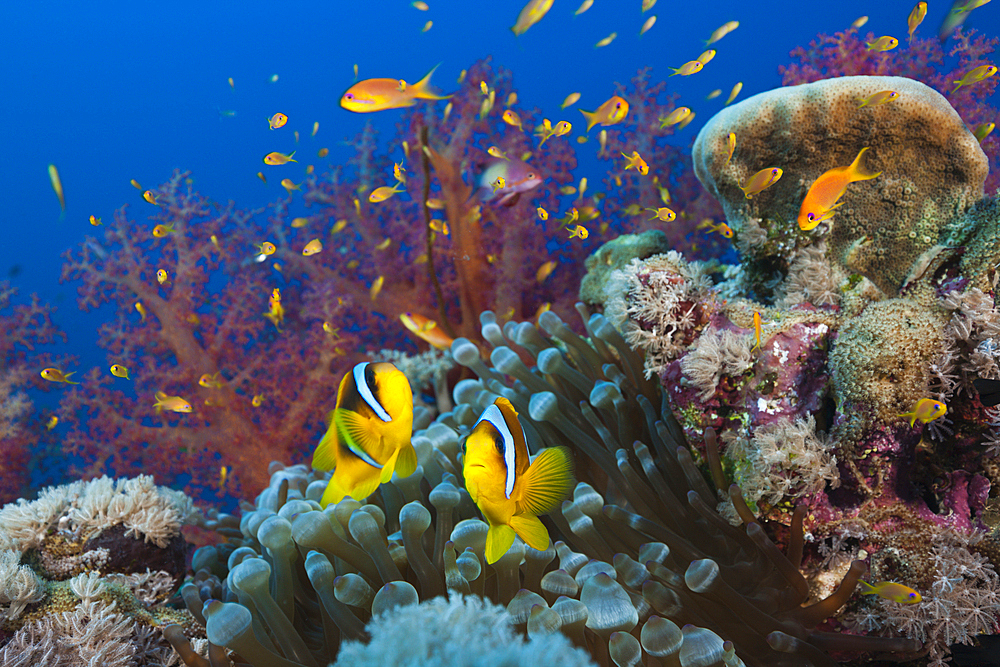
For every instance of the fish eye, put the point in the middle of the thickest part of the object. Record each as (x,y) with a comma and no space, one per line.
(349,96)
(811,217)
(531,175)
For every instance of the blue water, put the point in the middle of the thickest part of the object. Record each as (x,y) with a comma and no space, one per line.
(113,91)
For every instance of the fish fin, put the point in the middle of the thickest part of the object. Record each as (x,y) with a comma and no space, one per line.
(388,467)
(406,462)
(334,493)
(531,530)
(365,487)
(422,89)
(591,117)
(325,456)
(358,433)
(547,482)
(866,588)
(498,542)
(857,171)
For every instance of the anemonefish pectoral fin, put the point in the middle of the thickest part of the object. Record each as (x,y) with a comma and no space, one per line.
(530,529)
(358,435)
(406,462)
(546,482)
(498,542)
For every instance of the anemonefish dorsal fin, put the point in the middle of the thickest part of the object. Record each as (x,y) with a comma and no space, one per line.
(503,418)
(498,542)
(362,373)
(531,530)
(546,483)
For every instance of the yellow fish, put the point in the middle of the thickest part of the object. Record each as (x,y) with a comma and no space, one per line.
(277,120)
(148,196)
(275,311)
(531,14)
(511,118)
(376,287)
(688,68)
(916,17)
(384,244)
(926,410)
(369,432)
(95,221)
(827,190)
(223,476)
(647,5)
(312,248)
(257,400)
(135,184)
(170,403)
(298,223)
(715,93)
(611,112)
(262,177)
(636,162)
(496,152)
(427,330)
(381,194)
(161,231)
(663,214)
(579,232)
(732,149)
(331,330)
(706,57)
(141,309)
(734,92)
(56,375)
(315,128)
(583,7)
(891,591)
(722,31)
(267,248)
(57,186)
(289,185)
(231,84)
(607,40)
(510,491)
(323,152)
(975,75)
(562,128)
(983,131)
(422,6)
(276,158)
(380,94)
(883,43)
(338,226)
(674,117)
(498,184)
(397,172)
(120,371)
(542,213)
(211,381)
(762,179)
(53,420)
(756,330)
(545,270)
(880,97)
(647,25)
(570,100)
(162,276)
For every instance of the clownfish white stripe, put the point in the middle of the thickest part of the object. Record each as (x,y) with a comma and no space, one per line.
(493,415)
(366,393)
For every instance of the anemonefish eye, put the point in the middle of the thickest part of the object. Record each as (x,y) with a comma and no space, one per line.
(498,443)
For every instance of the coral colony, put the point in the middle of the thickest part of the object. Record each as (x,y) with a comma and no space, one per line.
(791,460)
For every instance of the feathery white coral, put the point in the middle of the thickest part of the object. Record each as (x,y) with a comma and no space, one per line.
(19,585)
(716,353)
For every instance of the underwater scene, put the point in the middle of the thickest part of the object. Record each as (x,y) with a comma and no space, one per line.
(574,332)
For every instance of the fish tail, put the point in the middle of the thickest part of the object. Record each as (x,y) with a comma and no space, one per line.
(866,588)
(422,88)
(498,542)
(857,170)
(531,530)
(546,482)
(334,493)
(591,117)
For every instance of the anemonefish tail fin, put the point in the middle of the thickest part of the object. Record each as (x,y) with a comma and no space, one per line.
(866,588)
(325,456)
(857,170)
(498,541)
(547,482)
(531,530)
(422,89)
(591,117)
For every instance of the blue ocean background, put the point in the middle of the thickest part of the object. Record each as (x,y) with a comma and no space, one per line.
(113,91)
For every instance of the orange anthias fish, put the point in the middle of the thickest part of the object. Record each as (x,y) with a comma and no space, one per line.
(825,192)
(427,330)
(170,403)
(380,94)
(636,162)
(891,591)
(926,410)
(509,491)
(756,330)
(369,434)
(56,375)
(277,120)
(764,178)
(611,112)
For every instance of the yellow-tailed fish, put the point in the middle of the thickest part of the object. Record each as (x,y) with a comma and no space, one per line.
(983,131)
(95,221)
(602,139)
(56,375)
(141,309)
(647,25)
(584,6)
(647,5)
(262,177)
(883,43)
(756,330)
(688,68)
(722,228)
(722,31)
(542,213)
(663,214)
(607,40)
(120,371)
(562,128)
(732,149)
(427,330)
(160,231)
(583,185)
(380,94)
(567,190)
(734,92)
(916,17)
(674,117)
(880,97)
(762,179)
(498,184)
(275,311)
(381,194)
(223,476)
(511,118)
(579,231)
(397,172)
(170,403)
(975,75)
(215,241)
(231,84)
(257,400)
(422,6)
(162,276)
(890,590)
(826,191)
(315,128)
(636,162)
(276,158)
(545,270)
(511,99)
(312,248)
(483,88)
(531,14)
(496,152)
(427,26)
(384,244)
(211,381)
(860,21)
(57,186)
(510,491)
(570,100)
(715,93)
(926,410)
(706,57)
(611,112)
(135,184)
(148,196)
(277,120)
(298,223)
(376,287)
(289,185)
(435,204)
(53,420)
(369,432)
(686,121)
(267,248)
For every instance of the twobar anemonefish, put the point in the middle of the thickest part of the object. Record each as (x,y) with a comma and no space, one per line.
(510,491)
(369,434)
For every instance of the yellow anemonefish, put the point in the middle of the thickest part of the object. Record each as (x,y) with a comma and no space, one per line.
(611,112)
(826,190)
(277,120)
(170,403)
(891,591)
(926,410)
(379,94)
(275,158)
(369,432)
(56,375)
(120,371)
(427,330)
(509,490)
(762,179)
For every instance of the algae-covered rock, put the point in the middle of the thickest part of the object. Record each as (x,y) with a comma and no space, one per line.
(614,255)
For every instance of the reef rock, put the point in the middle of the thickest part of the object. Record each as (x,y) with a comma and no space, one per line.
(933,171)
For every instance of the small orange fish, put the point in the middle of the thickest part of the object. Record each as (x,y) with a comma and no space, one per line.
(257,400)
(323,152)
(663,213)
(267,248)
(426,329)
(542,213)
(636,162)
(148,196)
(883,43)
(496,152)
(56,375)
(380,94)
(827,190)
(926,410)
(890,590)
(161,231)
(761,180)
(545,270)
(95,221)
(170,403)
(880,97)
(756,330)
(511,118)
(580,232)
(312,248)
(381,194)
(611,112)
(277,120)
(722,228)
(162,277)
(276,158)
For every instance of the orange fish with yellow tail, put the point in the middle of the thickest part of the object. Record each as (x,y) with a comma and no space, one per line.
(380,94)
(427,330)
(826,191)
